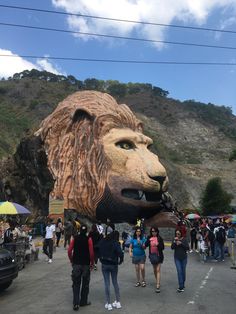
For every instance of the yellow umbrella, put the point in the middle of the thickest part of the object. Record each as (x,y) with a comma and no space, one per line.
(10,208)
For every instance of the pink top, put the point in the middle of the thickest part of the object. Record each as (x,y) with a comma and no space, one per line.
(153,245)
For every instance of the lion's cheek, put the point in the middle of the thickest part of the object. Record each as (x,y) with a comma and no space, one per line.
(117,160)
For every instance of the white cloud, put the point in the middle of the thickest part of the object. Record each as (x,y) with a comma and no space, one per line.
(225,24)
(12,65)
(158,11)
(44,64)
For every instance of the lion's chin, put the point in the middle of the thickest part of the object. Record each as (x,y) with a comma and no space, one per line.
(163,219)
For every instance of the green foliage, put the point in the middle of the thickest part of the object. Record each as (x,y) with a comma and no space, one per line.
(33,104)
(157,91)
(219,116)
(215,200)
(94,84)
(3,90)
(232,155)
(117,89)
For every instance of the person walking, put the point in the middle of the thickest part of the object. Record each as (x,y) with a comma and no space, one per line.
(110,255)
(137,253)
(180,246)
(193,239)
(220,239)
(59,230)
(68,231)
(81,255)
(156,256)
(49,240)
(96,237)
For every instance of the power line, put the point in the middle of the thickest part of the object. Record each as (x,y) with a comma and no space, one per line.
(121,61)
(118,37)
(120,20)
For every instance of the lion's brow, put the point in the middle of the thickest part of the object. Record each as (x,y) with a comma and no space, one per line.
(142,139)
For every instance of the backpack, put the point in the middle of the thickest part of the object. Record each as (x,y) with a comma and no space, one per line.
(220,235)
(211,236)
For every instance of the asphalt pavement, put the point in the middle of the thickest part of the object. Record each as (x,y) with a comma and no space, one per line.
(46,288)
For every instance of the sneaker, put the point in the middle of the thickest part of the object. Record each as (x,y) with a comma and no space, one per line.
(190,251)
(49,261)
(116,305)
(180,290)
(75,307)
(108,307)
(158,290)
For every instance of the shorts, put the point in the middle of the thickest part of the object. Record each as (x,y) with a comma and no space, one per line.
(139,259)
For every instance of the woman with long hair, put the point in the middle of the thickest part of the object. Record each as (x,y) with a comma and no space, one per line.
(180,246)
(96,237)
(110,255)
(156,247)
(137,252)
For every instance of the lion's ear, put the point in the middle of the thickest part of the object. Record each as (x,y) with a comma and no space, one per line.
(81,114)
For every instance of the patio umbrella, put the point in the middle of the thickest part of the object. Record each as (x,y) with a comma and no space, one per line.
(231,219)
(9,208)
(192,216)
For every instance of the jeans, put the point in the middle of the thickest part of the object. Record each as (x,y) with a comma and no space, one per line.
(48,247)
(80,273)
(219,251)
(193,243)
(58,235)
(107,271)
(181,271)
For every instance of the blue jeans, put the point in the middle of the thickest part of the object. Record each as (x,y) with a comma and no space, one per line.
(107,271)
(219,251)
(181,271)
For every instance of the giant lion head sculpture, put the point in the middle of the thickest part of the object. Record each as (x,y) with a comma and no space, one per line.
(100,159)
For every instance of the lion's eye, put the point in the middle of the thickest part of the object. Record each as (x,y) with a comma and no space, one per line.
(125,145)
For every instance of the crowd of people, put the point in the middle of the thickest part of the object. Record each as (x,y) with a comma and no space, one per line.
(211,238)
(85,247)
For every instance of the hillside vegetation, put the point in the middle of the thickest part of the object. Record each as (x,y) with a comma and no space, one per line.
(195,141)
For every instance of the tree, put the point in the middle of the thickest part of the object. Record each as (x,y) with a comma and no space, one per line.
(215,200)
(232,155)
(117,89)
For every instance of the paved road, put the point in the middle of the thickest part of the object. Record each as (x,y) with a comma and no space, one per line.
(46,288)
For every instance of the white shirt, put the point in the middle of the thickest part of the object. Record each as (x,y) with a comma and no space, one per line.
(100,228)
(49,231)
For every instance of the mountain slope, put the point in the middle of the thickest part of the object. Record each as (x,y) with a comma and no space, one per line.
(193,140)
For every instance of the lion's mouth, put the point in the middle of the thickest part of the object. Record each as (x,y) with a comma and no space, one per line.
(141,195)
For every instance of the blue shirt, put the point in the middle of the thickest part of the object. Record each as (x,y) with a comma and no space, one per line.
(138,249)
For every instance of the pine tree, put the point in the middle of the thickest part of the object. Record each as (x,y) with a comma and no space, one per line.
(215,200)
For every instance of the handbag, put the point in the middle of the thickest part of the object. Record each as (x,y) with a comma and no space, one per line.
(154,258)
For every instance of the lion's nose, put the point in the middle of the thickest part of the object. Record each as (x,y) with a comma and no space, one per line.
(159,179)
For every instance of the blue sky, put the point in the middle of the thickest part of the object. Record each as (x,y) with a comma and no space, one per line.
(215,84)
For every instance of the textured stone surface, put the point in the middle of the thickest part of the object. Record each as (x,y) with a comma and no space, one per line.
(100,161)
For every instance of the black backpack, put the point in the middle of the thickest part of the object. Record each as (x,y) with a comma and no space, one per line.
(221,236)
(211,236)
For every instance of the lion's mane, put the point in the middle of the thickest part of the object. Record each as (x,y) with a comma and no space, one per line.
(72,137)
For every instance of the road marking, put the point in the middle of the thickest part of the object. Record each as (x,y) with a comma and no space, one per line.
(202,285)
